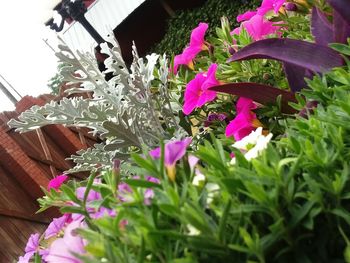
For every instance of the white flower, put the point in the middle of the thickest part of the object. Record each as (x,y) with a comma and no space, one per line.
(213,190)
(253,144)
(248,140)
(192,231)
(198,178)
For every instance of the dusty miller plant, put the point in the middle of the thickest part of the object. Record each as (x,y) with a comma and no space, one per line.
(128,111)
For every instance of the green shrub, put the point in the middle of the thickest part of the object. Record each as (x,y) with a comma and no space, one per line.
(180,26)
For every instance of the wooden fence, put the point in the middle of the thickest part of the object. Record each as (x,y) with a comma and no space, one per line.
(28,161)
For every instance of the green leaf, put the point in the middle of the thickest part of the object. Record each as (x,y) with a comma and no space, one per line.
(88,187)
(145,163)
(341,212)
(70,193)
(37,258)
(169,210)
(223,221)
(300,213)
(141,183)
(341,48)
(73,209)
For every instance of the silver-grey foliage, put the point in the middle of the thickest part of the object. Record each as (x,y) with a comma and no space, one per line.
(128,111)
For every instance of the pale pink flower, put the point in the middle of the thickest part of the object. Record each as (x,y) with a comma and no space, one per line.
(31,248)
(56,182)
(197,93)
(149,193)
(92,195)
(125,193)
(192,161)
(190,52)
(62,249)
(56,226)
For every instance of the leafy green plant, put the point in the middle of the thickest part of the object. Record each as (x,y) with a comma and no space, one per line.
(291,204)
(180,26)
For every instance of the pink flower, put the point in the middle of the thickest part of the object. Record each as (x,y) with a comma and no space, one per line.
(62,249)
(149,193)
(55,226)
(258,27)
(246,16)
(92,195)
(197,35)
(57,182)
(173,151)
(268,5)
(197,93)
(192,161)
(236,31)
(245,121)
(186,58)
(103,211)
(125,193)
(255,23)
(196,46)
(245,104)
(31,248)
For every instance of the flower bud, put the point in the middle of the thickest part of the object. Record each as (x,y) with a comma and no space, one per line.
(231,50)
(291,7)
(266,76)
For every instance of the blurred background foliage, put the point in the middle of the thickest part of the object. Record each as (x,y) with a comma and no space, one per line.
(180,26)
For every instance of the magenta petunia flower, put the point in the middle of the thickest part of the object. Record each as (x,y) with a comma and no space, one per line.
(196,46)
(258,27)
(241,125)
(197,93)
(245,121)
(197,35)
(268,5)
(173,151)
(246,16)
(245,104)
(55,226)
(56,182)
(186,58)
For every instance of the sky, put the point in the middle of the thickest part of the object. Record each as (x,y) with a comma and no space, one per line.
(26,62)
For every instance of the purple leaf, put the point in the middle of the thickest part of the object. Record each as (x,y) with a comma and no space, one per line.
(321,28)
(341,28)
(295,76)
(300,53)
(342,7)
(260,93)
